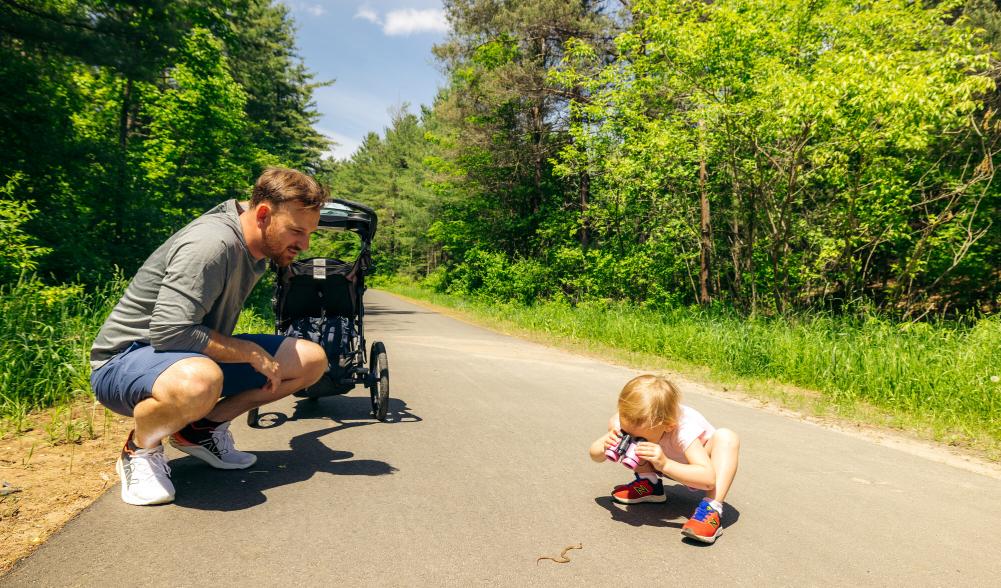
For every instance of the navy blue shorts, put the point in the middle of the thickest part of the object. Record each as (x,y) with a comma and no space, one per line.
(127,379)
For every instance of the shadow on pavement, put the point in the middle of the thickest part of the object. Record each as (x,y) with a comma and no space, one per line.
(377,309)
(202,487)
(680,504)
(339,409)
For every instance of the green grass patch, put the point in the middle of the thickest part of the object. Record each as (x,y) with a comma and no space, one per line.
(939,381)
(45,338)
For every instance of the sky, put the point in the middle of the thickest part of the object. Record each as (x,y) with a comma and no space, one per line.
(379,54)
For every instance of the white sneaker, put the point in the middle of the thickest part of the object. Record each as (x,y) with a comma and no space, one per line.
(145,476)
(217,451)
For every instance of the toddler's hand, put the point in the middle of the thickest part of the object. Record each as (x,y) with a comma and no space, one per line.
(612,439)
(650,452)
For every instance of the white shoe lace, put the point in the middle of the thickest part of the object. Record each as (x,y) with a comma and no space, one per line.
(223,439)
(149,463)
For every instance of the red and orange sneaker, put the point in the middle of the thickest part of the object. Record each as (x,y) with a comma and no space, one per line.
(639,490)
(705,525)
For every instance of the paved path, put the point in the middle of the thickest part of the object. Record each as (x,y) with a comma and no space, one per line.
(485,468)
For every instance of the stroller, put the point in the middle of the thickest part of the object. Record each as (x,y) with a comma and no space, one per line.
(320,299)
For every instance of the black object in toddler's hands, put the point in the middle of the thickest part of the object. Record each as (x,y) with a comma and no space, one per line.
(623,445)
(625,451)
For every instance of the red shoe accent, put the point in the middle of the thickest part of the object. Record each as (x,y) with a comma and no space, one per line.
(639,490)
(705,525)
(180,440)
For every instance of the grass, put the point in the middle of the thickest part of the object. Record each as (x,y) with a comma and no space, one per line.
(939,381)
(45,343)
(45,338)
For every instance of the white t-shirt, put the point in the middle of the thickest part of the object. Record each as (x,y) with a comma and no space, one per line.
(691,426)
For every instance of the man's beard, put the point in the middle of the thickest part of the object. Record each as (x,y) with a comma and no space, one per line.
(274,250)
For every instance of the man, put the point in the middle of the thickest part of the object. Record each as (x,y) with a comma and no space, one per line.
(166,355)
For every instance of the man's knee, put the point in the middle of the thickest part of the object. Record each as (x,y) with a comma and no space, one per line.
(313,359)
(193,385)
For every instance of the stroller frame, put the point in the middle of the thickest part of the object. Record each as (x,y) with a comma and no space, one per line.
(327,294)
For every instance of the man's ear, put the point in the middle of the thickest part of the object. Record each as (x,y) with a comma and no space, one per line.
(263,214)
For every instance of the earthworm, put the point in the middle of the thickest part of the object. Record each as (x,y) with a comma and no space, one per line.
(563,554)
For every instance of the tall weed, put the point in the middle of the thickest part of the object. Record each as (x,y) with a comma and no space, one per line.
(45,338)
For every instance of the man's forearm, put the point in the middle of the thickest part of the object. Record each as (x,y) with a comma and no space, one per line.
(225,349)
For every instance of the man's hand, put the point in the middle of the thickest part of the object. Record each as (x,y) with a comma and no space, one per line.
(225,349)
(268,366)
(653,453)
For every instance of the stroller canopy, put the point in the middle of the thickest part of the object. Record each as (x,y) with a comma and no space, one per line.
(344,215)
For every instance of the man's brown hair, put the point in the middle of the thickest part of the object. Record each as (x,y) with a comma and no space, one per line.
(279,185)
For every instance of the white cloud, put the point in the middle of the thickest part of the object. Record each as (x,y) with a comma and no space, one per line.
(369,15)
(406,21)
(410,21)
(344,148)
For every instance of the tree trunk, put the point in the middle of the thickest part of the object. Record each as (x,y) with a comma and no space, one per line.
(705,243)
(124,125)
(585,196)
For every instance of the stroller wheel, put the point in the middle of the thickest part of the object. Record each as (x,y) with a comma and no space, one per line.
(379,383)
(252,416)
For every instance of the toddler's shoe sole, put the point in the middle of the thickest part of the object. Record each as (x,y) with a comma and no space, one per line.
(693,535)
(650,498)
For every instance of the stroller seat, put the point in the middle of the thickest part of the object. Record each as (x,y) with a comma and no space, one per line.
(317,287)
(317,300)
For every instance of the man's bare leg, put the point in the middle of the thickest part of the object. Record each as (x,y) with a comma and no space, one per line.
(302,363)
(184,392)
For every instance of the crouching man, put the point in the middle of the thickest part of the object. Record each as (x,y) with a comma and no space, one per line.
(166,355)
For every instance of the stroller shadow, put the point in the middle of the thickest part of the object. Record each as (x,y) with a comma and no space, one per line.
(202,487)
(377,309)
(339,409)
(680,504)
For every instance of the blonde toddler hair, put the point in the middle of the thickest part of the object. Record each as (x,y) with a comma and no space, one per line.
(649,401)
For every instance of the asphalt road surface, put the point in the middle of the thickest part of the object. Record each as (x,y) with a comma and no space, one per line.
(484,468)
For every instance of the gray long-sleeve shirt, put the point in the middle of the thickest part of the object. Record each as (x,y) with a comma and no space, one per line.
(195,282)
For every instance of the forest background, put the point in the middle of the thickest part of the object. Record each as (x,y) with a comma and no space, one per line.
(796,192)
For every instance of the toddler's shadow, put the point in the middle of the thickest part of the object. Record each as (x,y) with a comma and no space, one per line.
(680,504)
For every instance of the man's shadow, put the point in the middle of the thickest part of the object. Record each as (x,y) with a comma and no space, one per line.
(203,487)
(680,505)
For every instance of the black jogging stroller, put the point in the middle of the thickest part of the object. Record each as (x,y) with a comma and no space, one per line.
(321,299)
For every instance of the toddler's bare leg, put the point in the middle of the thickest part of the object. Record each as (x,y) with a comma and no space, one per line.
(645,468)
(723,449)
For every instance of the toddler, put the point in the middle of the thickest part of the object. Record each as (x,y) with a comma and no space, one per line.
(679,443)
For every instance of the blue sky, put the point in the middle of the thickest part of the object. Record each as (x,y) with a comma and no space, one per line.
(379,53)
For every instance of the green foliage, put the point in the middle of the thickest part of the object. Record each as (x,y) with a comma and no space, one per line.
(45,338)
(848,153)
(18,254)
(197,154)
(828,130)
(126,119)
